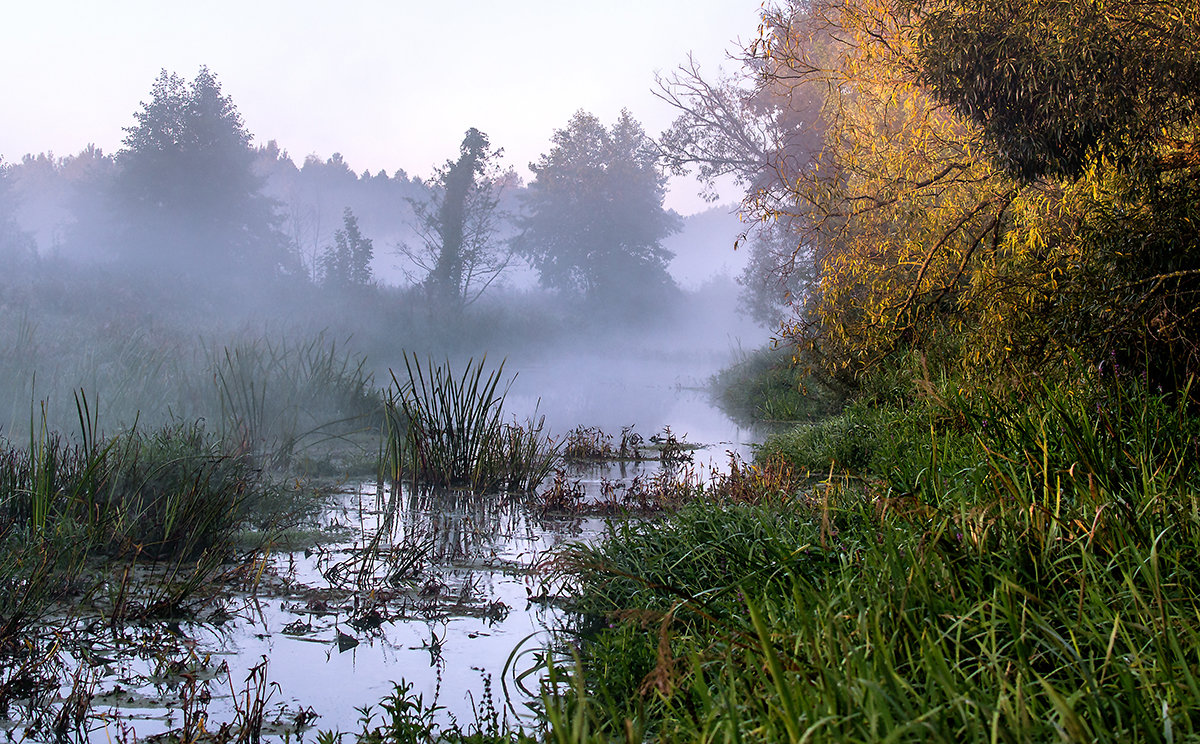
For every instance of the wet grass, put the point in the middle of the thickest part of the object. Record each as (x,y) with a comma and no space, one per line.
(970,566)
(98,533)
(769,386)
(151,526)
(403,717)
(72,510)
(280,398)
(1033,579)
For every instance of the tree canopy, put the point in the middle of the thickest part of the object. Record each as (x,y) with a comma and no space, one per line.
(1054,84)
(187,188)
(458,222)
(996,185)
(15,244)
(347,263)
(594,220)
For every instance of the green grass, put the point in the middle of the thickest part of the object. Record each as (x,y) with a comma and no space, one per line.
(76,513)
(770,386)
(1014,569)
(276,399)
(403,717)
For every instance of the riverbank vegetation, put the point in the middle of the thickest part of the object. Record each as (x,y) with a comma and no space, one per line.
(992,207)
(959,569)
(448,430)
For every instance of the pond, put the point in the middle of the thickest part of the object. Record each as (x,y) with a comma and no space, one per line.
(442,590)
(437,589)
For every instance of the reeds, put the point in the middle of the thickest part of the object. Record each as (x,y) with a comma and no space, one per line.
(447,430)
(74,513)
(275,398)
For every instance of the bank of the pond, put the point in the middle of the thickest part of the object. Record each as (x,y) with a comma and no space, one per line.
(966,566)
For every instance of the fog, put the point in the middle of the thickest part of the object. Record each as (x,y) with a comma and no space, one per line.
(198,297)
(130,276)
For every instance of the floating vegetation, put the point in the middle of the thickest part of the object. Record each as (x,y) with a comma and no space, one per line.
(591,443)
(563,493)
(140,599)
(675,482)
(588,443)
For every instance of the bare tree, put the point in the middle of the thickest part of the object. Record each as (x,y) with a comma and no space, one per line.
(458,224)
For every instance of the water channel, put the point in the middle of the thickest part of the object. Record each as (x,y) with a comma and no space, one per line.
(444,591)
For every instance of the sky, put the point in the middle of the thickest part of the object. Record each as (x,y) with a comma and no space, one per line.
(389,85)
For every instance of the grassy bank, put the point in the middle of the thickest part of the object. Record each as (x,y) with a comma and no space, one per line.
(769,386)
(968,567)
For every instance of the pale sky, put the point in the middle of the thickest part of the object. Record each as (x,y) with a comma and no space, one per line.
(387,84)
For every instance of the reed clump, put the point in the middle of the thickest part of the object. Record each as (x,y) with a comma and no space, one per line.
(273,399)
(73,511)
(448,430)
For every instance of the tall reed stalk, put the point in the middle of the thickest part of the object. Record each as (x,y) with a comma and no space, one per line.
(169,496)
(275,398)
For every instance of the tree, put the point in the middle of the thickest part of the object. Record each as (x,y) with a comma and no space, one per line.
(755,130)
(998,185)
(347,263)
(16,245)
(748,126)
(458,223)
(777,275)
(595,221)
(1053,84)
(886,206)
(1100,102)
(186,183)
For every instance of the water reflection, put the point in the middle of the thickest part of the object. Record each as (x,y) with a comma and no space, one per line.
(431,586)
(434,587)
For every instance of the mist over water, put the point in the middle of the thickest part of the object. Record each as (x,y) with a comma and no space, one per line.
(647,381)
(141,339)
(195,292)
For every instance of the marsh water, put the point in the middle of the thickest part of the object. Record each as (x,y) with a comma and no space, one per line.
(442,591)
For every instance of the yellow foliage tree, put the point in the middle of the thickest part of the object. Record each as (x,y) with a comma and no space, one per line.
(935,225)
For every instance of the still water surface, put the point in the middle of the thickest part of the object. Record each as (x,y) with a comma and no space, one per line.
(441,590)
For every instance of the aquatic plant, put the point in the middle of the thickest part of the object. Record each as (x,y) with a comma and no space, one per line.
(671,449)
(527,455)
(77,515)
(563,494)
(405,718)
(591,443)
(447,430)
(277,397)
(588,443)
